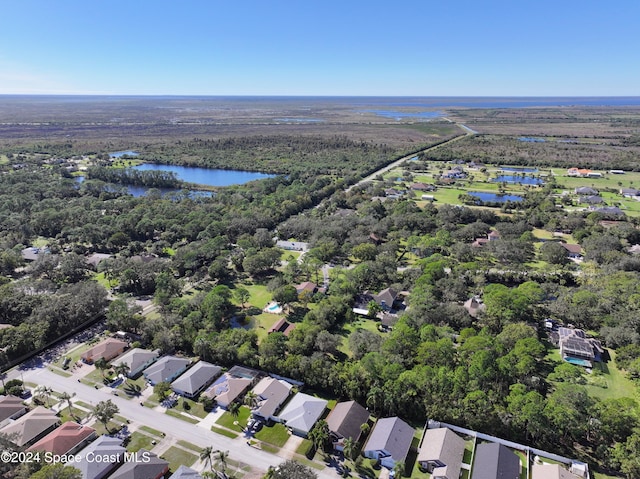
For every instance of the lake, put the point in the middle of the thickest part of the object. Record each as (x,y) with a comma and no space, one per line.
(519,170)
(494,197)
(207,176)
(120,154)
(523,180)
(399,115)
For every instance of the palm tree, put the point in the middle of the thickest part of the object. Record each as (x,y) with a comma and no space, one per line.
(44,391)
(205,455)
(398,469)
(251,399)
(349,448)
(65,396)
(234,409)
(102,365)
(222,459)
(121,368)
(319,435)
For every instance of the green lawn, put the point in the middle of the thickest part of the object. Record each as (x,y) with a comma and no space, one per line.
(227,420)
(617,385)
(150,430)
(76,415)
(276,435)
(177,457)
(177,414)
(350,328)
(188,445)
(259,295)
(139,441)
(224,432)
(191,407)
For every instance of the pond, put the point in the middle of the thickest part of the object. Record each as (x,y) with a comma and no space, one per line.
(120,154)
(523,180)
(519,169)
(399,115)
(494,197)
(207,176)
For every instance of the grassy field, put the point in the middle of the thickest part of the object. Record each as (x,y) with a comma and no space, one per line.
(614,384)
(276,435)
(139,441)
(227,419)
(177,457)
(349,328)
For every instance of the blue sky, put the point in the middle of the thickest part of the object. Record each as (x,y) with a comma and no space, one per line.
(328,47)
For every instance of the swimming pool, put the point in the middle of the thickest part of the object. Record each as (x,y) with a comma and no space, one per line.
(273,308)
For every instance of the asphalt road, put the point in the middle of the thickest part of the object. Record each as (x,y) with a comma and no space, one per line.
(174,428)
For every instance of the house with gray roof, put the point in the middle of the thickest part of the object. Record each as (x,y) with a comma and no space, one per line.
(104,447)
(32,426)
(166,369)
(495,461)
(184,472)
(386,298)
(11,407)
(196,379)
(441,453)
(346,420)
(389,442)
(585,190)
(272,393)
(301,413)
(146,465)
(137,359)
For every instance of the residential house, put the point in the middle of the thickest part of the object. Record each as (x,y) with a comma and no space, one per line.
(227,389)
(616,172)
(11,407)
(592,200)
(609,211)
(184,472)
(474,306)
(441,453)
(166,369)
(586,191)
(573,250)
(635,249)
(301,413)
(495,461)
(551,471)
(107,350)
(576,348)
(32,253)
(282,326)
(272,393)
(67,439)
(387,320)
(389,442)
(629,192)
(109,449)
(346,420)
(32,426)
(292,245)
(493,235)
(147,466)
(196,379)
(137,360)
(386,298)
(580,172)
(96,258)
(307,287)
(479,242)
(422,187)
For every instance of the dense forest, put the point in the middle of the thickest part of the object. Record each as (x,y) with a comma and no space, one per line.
(496,372)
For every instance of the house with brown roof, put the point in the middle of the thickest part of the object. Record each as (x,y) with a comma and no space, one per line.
(386,298)
(227,389)
(346,420)
(282,326)
(31,427)
(573,250)
(306,287)
(551,471)
(107,350)
(441,453)
(474,306)
(11,407)
(67,439)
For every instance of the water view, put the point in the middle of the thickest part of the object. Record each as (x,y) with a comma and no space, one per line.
(523,180)
(399,115)
(495,197)
(519,169)
(206,176)
(120,154)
